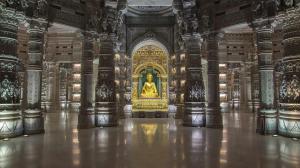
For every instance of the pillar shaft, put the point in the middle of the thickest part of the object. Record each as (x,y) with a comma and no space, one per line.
(194,100)
(289,112)
(86,118)
(213,111)
(266,117)
(105,90)
(10,114)
(255,85)
(33,116)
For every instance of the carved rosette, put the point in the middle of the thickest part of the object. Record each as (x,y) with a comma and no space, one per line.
(105,110)
(194,101)
(10,117)
(289,112)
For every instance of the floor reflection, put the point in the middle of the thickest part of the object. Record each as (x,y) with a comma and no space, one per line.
(150,143)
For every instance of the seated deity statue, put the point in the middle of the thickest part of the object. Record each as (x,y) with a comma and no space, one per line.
(149,89)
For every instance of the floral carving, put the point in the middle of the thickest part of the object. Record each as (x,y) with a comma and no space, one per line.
(196,92)
(290,89)
(9,90)
(7,67)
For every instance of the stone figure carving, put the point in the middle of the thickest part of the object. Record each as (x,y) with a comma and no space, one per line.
(288,3)
(149,89)
(258,8)
(104,92)
(18,4)
(9,90)
(42,6)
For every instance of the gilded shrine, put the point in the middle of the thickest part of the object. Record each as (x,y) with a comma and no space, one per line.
(149,79)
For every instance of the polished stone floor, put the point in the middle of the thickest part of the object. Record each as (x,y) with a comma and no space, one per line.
(150,143)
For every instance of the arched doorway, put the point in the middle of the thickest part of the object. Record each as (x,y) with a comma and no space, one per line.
(150,79)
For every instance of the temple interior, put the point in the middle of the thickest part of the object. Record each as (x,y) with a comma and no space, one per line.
(150,83)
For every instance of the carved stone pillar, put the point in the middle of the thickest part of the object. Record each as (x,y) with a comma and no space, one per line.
(128,85)
(255,83)
(266,117)
(10,113)
(236,89)
(248,88)
(289,112)
(213,111)
(86,118)
(194,99)
(33,116)
(105,89)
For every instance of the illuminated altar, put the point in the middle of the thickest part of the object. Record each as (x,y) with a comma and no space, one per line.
(149,80)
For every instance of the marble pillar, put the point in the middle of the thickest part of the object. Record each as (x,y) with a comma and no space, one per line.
(289,110)
(236,89)
(105,108)
(33,116)
(86,117)
(255,84)
(194,97)
(179,77)
(10,90)
(213,111)
(267,115)
(248,88)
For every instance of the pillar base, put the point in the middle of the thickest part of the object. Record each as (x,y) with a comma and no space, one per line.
(33,122)
(10,124)
(267,122)
(105,115)
(289,121)
(86,118)
(194,114)
(214,118)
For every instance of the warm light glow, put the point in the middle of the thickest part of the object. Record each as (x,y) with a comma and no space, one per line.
(222,85)
(182,82)
(117,69)
(182,69)
(76,75)
(117,57)
(77,65)
(76,95)
(117,82)
(182,56)
(223,95)
(222,75)
(76,85)
(222,65)
(173,57)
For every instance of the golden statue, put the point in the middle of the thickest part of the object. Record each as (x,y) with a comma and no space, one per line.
(149,89)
